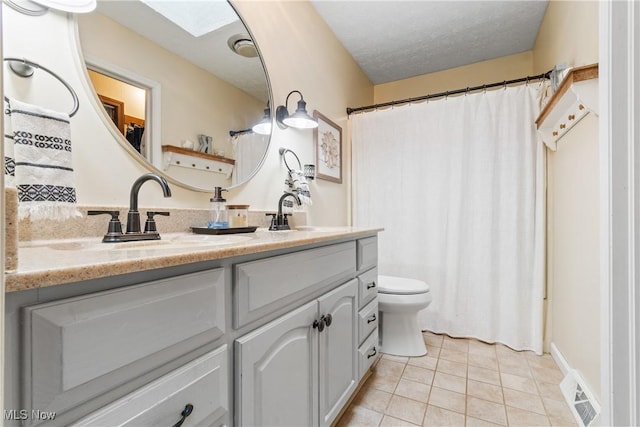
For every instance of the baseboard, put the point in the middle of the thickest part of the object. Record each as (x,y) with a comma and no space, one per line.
(559,359)
(582,403)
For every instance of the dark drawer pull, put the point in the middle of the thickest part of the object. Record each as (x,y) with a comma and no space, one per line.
(185,413)
(371,285)
(373,353)
(372,318)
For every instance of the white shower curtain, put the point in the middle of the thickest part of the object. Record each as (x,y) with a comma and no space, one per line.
(458,185)
(248,150)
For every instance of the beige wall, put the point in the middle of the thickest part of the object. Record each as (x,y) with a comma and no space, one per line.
(300,53)
(305,56)
(493,70)
(569,34)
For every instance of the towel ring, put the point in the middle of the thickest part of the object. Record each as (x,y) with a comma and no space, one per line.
(25,68)
(283,152)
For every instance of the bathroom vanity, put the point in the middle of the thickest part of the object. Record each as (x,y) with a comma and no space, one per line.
(277,328)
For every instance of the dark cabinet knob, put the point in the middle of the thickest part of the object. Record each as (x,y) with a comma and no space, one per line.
(372,318)
(188,409)
(328,319)
(319,324)
(373,353)
(371,285)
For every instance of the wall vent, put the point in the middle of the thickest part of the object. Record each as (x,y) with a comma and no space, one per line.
(582,404)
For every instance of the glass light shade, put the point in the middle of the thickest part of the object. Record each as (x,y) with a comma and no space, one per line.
(263,127)
(300,119)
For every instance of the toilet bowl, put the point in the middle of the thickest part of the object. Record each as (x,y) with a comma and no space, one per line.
(399,301)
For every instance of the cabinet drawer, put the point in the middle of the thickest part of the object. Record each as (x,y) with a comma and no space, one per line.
(368,286)
(81,347)
(201,383)
(264,286)
(368,320)
(367,253)
(368,353)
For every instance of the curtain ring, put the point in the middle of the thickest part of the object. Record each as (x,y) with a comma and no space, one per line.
(446,95)
(467,91)
(484,88)
(527,83)
(504,83)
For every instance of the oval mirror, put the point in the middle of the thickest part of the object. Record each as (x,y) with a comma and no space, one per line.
(182,84)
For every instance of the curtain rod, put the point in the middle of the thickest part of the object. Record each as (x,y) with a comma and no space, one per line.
(450,92)
(233,133)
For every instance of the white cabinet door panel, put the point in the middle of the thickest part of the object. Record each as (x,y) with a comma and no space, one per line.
(338,350)
(367,253)
(277,370)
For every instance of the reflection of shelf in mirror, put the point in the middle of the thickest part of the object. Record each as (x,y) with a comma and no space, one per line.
(576,96)
(182,157)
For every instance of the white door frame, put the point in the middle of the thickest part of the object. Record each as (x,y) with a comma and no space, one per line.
(620,210)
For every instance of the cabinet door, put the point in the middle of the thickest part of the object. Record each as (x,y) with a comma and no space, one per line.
(338,350)
(277,371)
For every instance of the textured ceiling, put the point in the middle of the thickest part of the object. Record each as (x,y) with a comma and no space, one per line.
(394,40)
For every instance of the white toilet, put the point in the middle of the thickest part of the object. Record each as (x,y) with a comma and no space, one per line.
(399,301)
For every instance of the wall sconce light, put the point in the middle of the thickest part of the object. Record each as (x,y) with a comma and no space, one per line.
(263,127)
(40,7)
(300,119)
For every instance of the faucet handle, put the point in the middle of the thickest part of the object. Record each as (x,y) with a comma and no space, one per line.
(115,226)
(274,222)
(150,224)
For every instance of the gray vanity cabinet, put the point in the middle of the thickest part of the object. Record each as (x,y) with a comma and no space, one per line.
(300,369)
(281,338)
(78,349)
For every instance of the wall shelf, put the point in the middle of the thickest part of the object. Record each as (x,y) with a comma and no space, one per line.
(183,157)
(575,98)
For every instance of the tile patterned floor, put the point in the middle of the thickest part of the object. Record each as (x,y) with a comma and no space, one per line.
(461,382)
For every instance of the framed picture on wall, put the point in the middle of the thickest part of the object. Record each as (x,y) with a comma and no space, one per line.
(327,142)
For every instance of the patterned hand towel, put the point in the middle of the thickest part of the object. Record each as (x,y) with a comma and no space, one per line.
(298,185)
(9,161)
(43,163)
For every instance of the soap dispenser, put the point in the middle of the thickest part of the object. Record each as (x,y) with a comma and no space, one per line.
(218,210)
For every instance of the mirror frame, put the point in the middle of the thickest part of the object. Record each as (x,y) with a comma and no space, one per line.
(153,105)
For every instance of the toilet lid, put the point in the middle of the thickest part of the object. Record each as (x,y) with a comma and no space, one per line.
(401,285)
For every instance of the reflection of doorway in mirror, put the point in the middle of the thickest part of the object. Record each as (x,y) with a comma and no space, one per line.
(126,105)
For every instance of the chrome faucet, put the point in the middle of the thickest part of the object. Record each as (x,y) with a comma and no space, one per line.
(133,217)
(279,220)
(133,233)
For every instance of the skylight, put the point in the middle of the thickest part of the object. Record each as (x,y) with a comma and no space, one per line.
(197,17)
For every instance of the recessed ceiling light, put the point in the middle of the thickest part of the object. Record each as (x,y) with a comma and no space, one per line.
(243,45)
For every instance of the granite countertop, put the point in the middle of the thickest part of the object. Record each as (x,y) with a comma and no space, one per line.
(44,263)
